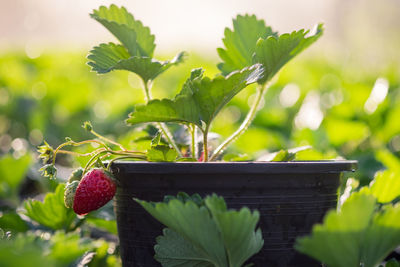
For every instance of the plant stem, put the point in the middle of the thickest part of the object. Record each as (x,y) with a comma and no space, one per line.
(117,158)
(205,145)
(261,89)
(77,154)
(72,143)
(110,152)
(164,129)
(147,87)
(106,139)
(192,129)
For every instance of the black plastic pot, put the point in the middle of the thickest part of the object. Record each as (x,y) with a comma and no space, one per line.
(290,196)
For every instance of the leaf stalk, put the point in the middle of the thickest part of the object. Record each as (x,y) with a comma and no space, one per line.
(261,89)
(163,128)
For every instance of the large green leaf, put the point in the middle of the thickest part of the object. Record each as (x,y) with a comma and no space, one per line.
(230,237)
(251,41)
(12,173)
(107,57)
(240,43)
(174,250)
(360,234)
(11,221)
(130,32)
(386,185)
(51,212)
(237,229)
(66,248)
(192,222)
(337,241)
(388,159)
(25,250)
(148,68)
(274,52)
(200,99)
(382,237)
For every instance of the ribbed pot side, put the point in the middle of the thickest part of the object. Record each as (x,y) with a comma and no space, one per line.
(290,196)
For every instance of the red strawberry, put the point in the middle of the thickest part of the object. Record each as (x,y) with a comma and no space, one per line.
(94,191)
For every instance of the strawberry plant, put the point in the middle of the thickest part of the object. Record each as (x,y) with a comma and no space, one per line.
(249,57)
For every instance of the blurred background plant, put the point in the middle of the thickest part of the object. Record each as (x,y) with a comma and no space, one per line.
(341,97)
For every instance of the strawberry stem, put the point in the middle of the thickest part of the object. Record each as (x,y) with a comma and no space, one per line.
(118,158)
(261,89)
(107,139)
(77,153)
(164,129)
(73,143)
(205,145)
(92,161)
(192,129)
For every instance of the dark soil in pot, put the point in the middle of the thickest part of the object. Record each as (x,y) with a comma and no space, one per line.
(290,196)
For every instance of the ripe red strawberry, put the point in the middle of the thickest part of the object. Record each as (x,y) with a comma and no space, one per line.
(94,191)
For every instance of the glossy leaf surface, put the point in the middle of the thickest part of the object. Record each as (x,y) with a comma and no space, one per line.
(199,101)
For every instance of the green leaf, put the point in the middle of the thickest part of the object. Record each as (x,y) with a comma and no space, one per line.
(148,68)
(199,101)
(289,154)
(386,186)
(174,250)
(240,43)
(184,197)
(51,212)
(283,155)
(358,235)
(251,41)
(388,159)
(107,57)
(382,237)
(25,250)
(235,157)
(341,131)
(12,173)
(191,222)
(11,221)
(337,242)
(67,248)
(161,153)
(237,229)
(108,225)
(231,238)
(392,263)
(274,52)
(130,32)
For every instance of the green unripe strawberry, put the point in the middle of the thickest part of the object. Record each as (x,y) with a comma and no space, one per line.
(76,175)
(69,193)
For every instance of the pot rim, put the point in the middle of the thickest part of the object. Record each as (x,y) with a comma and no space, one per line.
(267,167)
